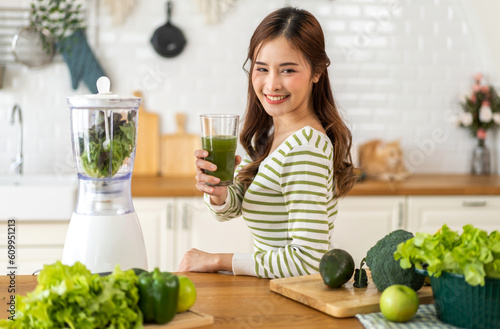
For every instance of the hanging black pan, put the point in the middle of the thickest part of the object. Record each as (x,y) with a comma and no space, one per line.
(168,40)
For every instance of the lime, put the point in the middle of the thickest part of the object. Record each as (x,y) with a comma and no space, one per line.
(187,294)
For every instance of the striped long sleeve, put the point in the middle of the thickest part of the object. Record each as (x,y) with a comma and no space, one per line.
(290,208)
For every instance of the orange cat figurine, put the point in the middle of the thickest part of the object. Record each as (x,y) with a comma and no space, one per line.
(383,161)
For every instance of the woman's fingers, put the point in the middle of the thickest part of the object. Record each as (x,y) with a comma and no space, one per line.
(202,187)
(237,161)
(206,183)
(219,192)
(205,165)
(201,153)
(203,178)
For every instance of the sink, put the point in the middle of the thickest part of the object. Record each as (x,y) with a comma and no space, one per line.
(44,196)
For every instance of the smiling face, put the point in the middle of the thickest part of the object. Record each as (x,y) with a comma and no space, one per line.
(282,80)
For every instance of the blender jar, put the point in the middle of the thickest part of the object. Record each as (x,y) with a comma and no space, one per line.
(104,135)
(104,140)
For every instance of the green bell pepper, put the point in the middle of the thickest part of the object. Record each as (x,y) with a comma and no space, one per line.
(158,294)
(138,271)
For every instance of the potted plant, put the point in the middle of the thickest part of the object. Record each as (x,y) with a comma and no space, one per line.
(464,270)
(64,20)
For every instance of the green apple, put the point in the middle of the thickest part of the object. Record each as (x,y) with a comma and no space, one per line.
(399,303)
(187,294)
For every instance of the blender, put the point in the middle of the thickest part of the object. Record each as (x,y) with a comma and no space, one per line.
(104,229)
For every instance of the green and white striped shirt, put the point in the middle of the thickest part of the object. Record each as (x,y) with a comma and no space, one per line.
(290,208)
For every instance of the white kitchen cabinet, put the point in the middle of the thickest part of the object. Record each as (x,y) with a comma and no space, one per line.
(153,215)
(171,226)
(429,213)
(199,229)
(363,220)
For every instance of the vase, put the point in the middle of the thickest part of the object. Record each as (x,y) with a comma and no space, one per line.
(480,159)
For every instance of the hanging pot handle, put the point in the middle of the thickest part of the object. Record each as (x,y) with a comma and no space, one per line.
(169,11)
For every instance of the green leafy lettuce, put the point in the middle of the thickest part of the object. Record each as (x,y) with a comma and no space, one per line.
(99,161)
(474,253)
(72,297)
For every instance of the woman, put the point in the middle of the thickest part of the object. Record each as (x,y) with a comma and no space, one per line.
(298,155)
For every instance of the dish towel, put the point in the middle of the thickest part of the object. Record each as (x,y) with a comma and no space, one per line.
(81,61)
(425,318)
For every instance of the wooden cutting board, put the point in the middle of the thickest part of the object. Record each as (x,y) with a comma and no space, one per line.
(188,319)
(147,153)
(177,151)
(343,302)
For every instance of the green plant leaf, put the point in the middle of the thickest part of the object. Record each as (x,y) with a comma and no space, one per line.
(474,253)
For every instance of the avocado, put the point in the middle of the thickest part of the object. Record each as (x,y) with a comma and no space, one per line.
(336,267)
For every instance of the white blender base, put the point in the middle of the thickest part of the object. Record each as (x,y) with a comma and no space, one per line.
(101,242)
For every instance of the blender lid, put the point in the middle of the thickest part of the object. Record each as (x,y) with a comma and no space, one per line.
(104,98)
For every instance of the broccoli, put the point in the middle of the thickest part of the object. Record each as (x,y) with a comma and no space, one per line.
(385,269)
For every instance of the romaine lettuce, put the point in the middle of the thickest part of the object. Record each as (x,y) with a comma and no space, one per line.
(72,297)
(474,253)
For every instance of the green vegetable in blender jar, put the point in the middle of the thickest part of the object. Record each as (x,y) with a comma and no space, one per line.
(72,297)
(95,156)
(474,253)
(159,292)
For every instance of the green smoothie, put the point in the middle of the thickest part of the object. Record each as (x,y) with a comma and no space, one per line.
(222,150)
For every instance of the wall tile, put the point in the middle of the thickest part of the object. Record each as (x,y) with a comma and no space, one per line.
(343,10)
(394,64)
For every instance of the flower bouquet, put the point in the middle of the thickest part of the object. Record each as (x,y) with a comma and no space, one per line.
(481,112)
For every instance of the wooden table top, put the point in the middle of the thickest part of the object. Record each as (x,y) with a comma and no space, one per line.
(234,301)
(418,184)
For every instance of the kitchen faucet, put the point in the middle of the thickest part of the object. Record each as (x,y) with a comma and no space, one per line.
(17,165)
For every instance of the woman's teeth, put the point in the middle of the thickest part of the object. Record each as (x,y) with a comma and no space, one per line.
(277,98)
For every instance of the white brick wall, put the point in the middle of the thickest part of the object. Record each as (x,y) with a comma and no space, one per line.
(398,69)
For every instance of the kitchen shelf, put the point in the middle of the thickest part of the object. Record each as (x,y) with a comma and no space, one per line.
(14,18)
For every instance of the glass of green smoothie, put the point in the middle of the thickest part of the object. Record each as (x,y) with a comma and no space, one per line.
(219,135)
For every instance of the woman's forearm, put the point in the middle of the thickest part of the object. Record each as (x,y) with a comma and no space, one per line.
(225,262)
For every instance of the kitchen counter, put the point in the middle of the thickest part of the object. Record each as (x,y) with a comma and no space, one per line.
(233,301)
(421,184)
(164,187)
(432,184)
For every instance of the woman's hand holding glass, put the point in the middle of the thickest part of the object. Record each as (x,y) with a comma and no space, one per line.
(204,182)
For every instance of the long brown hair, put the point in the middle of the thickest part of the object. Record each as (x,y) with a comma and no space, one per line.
(304,33)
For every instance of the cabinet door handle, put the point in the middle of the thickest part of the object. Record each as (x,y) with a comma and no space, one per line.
(169,217)
(400,215)
(185,217)
(474,203)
